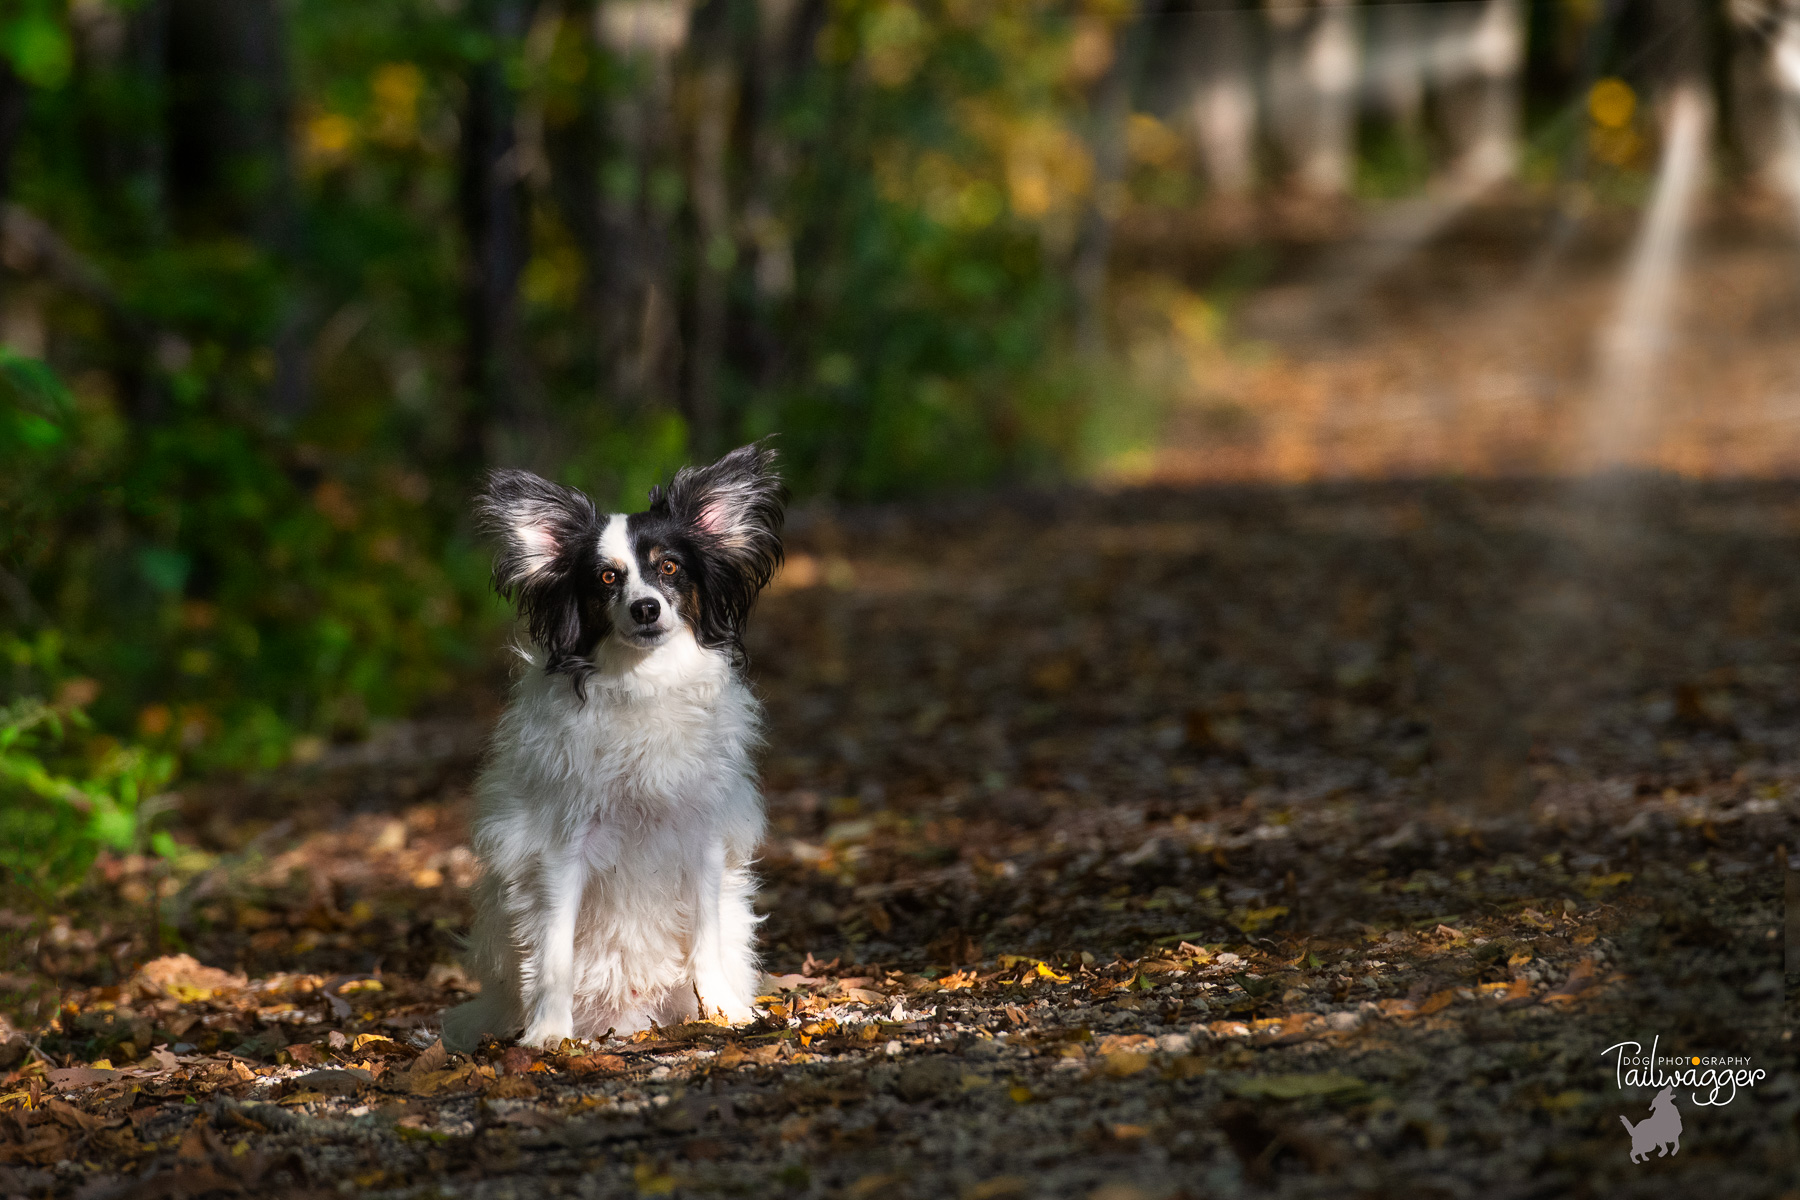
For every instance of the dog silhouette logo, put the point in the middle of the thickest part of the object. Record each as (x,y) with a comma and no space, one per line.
(1660,1131)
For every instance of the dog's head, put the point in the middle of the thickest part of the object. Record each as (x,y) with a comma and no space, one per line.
(695,559)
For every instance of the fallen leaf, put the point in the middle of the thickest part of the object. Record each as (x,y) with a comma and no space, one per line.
(65,1078)
(1121,1064)
(863,996)
(433,1058)
(376,1043)
(182,977)
(651,1181)
(458,1077)
(1534,918)
(871,1186)
(510,1087)
(336,1081)
(789,983)
(1295,1087)
(1437,1002)
(598,1064)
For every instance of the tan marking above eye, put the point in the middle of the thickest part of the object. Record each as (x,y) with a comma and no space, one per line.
(609,577)
(670,566)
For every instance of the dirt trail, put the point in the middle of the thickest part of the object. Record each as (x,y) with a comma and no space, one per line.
(1475,353)
(1293,842)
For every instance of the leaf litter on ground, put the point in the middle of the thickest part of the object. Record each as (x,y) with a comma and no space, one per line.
(1101,858)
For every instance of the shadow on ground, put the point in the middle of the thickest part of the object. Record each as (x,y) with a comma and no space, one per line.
(1219,843)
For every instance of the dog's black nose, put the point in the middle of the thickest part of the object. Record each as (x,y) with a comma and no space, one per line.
(645,611)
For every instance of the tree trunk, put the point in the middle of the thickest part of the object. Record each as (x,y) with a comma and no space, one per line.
(575,145)
(1111,107)
(1313,83)
(1397,59)
(1223,107)
(228,117)
(714,249)
(1765,93)
(229,168)
(493,216)
(641,340)
(14,99)
(782,49)
(1483,101)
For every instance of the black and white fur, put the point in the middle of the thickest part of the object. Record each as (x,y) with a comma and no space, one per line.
(619,811)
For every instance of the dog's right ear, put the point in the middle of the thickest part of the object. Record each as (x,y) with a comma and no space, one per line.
(541,526)
(548,535)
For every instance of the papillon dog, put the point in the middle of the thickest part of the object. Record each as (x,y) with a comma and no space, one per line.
(618,813)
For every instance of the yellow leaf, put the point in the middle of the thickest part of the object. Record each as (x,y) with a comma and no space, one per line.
(1563,1101)
(375,1043)
(1054,976)
(651,1182)
(1252,919)
(1599,883)
(1534,918)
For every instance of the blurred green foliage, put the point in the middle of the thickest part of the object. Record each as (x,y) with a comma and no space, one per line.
(280,278)
(238,422)
(69,794)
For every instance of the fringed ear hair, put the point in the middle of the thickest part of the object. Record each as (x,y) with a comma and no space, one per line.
(732,512)
(548,534)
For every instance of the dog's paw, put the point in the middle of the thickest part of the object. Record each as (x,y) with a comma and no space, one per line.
(738,1013)
(547,1035)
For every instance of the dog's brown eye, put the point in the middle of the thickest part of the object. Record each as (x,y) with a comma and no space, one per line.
(609,577)
(669,566)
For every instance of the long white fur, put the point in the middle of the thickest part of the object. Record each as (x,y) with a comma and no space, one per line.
(616,837)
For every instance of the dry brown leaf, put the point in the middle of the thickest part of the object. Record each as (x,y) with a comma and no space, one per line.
(510,1087)
(595,1064)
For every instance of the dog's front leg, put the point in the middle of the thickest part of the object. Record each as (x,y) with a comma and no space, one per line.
(721,965)
(545,929)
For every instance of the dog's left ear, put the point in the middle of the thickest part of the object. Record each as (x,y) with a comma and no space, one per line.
(734,507)
(732,511)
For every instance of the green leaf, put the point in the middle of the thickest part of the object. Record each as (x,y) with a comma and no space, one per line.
(165,570)
(39,49)
(114,826)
